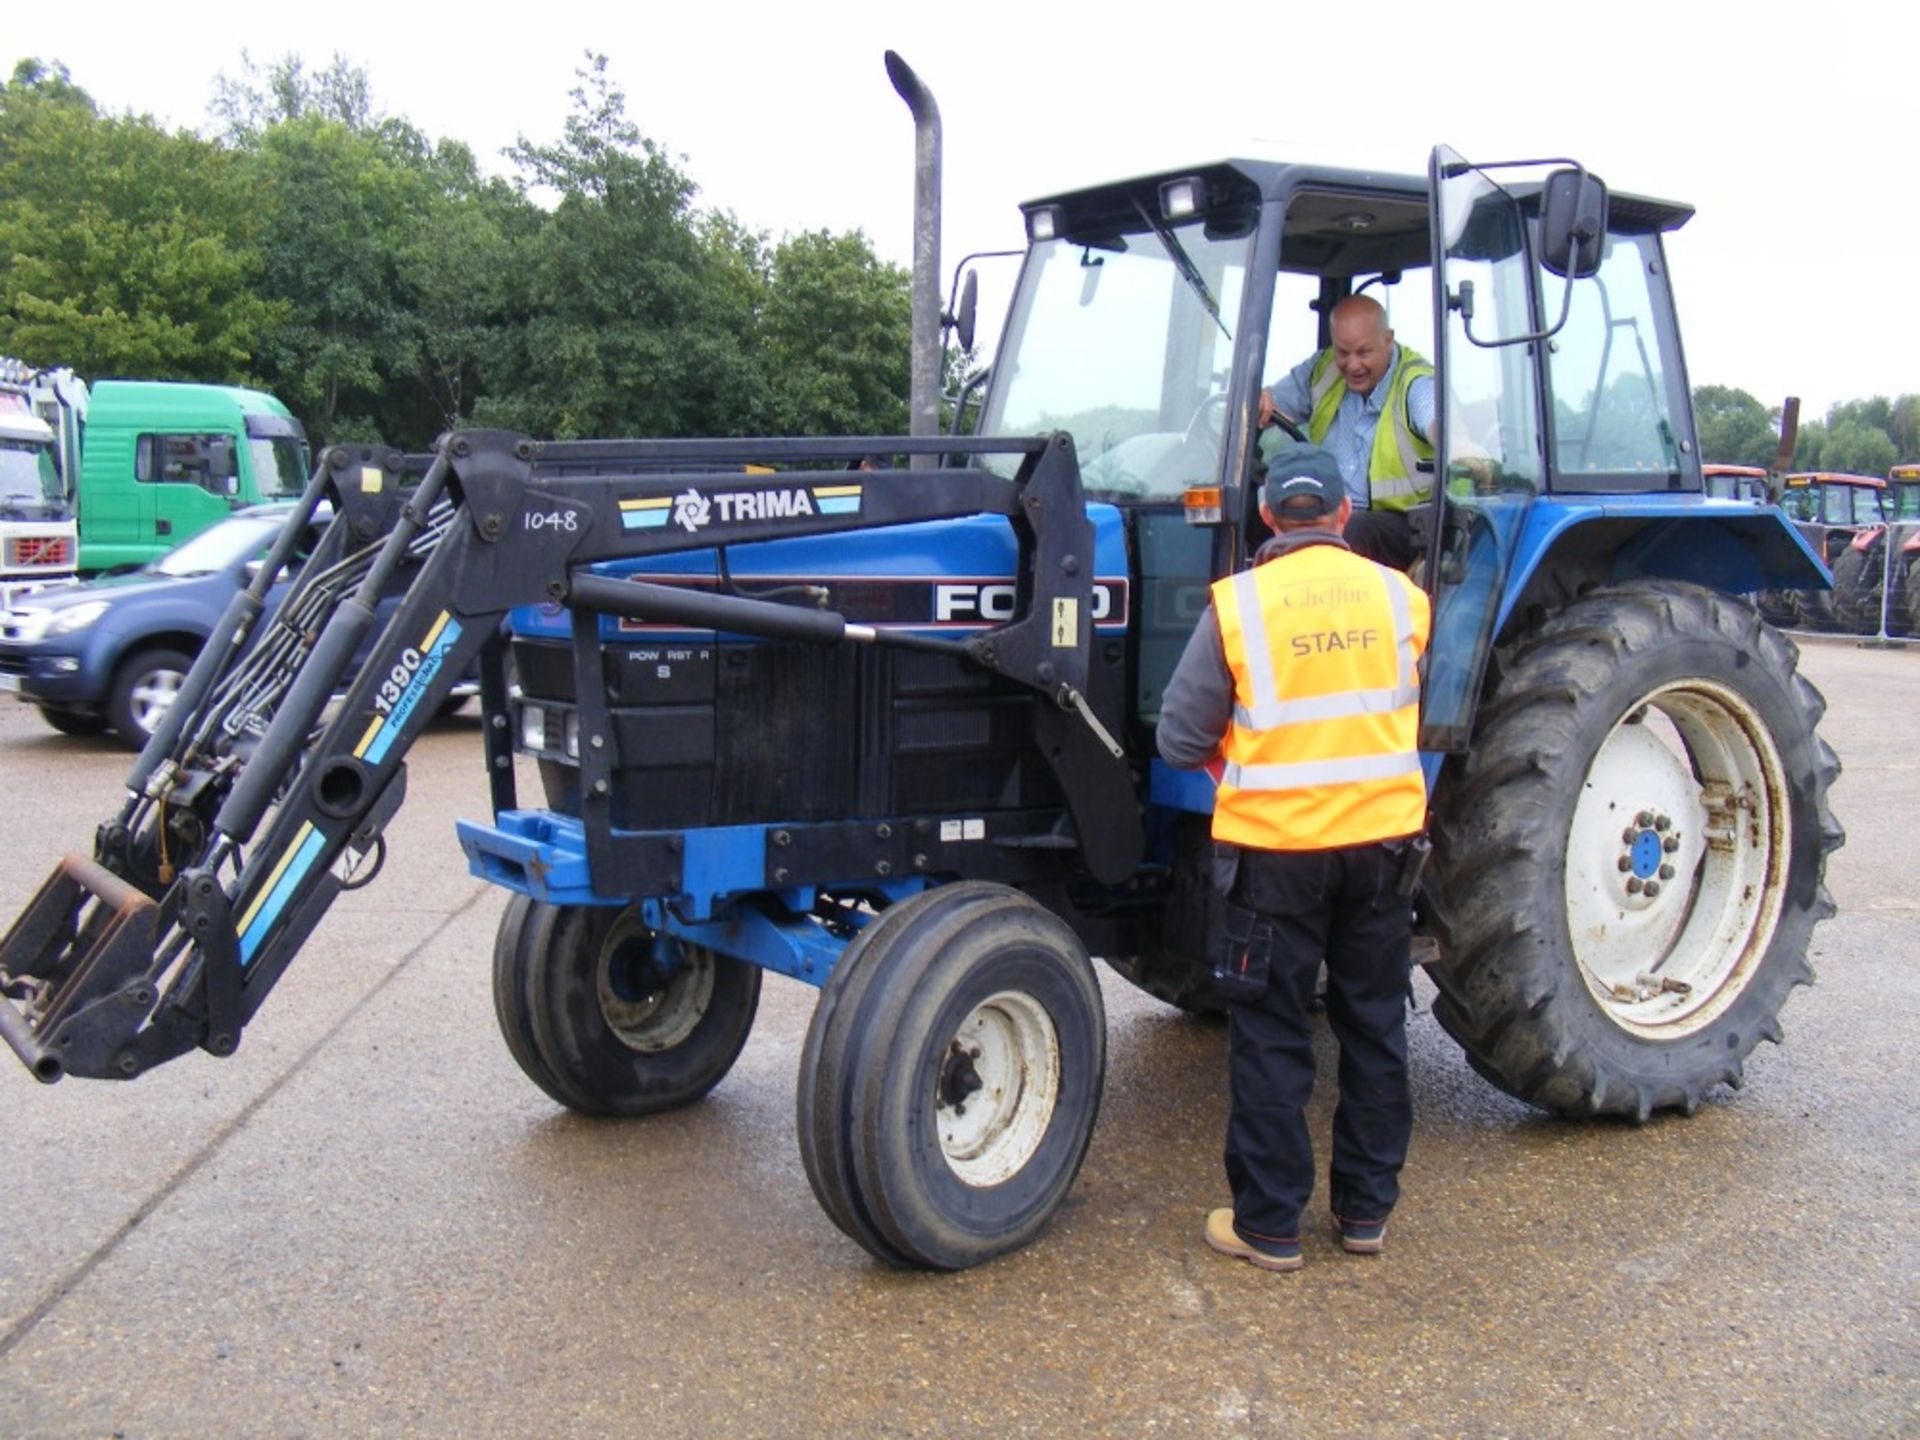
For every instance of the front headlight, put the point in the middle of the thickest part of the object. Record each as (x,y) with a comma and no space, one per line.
(76,617)
(25,625)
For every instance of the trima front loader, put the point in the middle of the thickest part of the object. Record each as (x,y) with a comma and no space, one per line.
(891,732)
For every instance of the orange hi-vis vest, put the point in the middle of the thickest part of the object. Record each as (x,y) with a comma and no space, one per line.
(1323,748)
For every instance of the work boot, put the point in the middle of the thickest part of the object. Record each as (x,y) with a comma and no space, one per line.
(1361,1237)
(1268,1254)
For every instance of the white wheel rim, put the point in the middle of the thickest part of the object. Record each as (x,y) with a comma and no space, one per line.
(661,1013)
(988,1131)
(1676,859)
(152,696)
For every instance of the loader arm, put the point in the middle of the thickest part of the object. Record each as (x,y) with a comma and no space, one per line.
(120,963)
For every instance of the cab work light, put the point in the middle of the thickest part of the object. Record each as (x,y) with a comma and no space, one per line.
(1045,222)
(1181,199)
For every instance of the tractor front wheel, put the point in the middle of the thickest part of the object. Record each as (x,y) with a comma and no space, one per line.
(1630,861)
(611,1018)
(951,1077)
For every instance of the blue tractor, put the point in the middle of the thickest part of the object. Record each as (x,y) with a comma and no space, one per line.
(888,729)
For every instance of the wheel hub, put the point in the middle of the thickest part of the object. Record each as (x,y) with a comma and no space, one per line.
(958,1078)
(1669,900)
(1646,859)
(997,1087)
(653,989)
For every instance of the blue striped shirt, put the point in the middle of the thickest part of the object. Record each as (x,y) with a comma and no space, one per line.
(1350,441)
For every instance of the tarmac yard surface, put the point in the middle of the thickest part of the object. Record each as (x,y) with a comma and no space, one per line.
(368,1222)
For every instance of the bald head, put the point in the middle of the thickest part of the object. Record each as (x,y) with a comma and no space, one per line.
(1362,343)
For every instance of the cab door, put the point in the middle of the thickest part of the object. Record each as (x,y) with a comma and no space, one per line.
(1488,457)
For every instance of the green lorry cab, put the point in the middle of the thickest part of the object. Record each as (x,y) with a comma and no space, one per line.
(163,461)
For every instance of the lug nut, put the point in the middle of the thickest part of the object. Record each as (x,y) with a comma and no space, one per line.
(1670,844)
(1653,888)
(1633,885)
(1666,872)
(1662,823)
(1625,864)
(1626,836)
(1643,819)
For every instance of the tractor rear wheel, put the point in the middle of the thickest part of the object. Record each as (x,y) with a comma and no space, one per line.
(1629,862)
(951,1077)
(1857,581)
(611,1018)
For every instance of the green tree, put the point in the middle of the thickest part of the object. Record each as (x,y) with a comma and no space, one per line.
(837,334)
(458,261)
(246,107)
(338,210)
(387,253)
(1905,428)
(124,249)
(1735,428)
(635,323)
(1857,447)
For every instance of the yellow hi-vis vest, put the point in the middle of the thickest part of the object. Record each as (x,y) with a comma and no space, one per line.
(1393,481)
(1323,748)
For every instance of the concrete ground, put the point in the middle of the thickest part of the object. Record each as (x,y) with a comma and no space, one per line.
(368,1222)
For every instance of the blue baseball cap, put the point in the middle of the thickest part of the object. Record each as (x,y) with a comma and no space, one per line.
(1304,484)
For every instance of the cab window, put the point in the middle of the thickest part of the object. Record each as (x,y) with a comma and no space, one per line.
(202,460)
(1612,399)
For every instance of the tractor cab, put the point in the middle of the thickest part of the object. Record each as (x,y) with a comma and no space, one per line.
(1736,482)
(1830,508)
(1902,496)
(1151,313)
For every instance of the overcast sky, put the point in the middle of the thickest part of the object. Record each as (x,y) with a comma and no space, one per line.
(1793,137)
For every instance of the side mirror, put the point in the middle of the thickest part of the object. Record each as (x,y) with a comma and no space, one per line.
(221,468)
(969,307)
(1573,223)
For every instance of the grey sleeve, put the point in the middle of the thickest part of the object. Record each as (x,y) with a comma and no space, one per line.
(1198,705)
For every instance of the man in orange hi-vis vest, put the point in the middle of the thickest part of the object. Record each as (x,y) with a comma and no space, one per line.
(1300,693)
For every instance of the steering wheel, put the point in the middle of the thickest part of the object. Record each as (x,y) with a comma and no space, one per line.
(1286,427)
(1208,417)
(1208,422)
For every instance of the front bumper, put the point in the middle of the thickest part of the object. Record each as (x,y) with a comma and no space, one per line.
(50,674)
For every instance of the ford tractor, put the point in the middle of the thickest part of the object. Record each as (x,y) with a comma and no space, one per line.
(889,731)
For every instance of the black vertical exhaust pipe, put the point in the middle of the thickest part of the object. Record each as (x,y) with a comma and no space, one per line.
(924,393)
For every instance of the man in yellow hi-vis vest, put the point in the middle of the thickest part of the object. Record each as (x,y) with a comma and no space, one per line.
(1370,401)
(1300,693)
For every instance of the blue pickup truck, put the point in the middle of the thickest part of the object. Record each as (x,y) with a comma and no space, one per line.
(110,654)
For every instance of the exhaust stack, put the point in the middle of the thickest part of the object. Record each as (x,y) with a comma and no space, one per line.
(924,393)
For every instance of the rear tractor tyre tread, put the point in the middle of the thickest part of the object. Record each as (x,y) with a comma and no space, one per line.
(1512,991)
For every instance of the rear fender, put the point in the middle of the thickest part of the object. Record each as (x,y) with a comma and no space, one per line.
(1727,545)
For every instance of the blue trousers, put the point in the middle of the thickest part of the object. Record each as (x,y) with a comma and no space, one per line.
(1339,905)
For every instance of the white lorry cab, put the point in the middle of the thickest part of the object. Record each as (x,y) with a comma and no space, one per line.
(37,539)
(39,543)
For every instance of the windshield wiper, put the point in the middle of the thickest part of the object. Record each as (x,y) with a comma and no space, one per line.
(1184,264)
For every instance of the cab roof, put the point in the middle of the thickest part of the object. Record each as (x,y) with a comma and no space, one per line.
(1834,477)
(1339,221)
